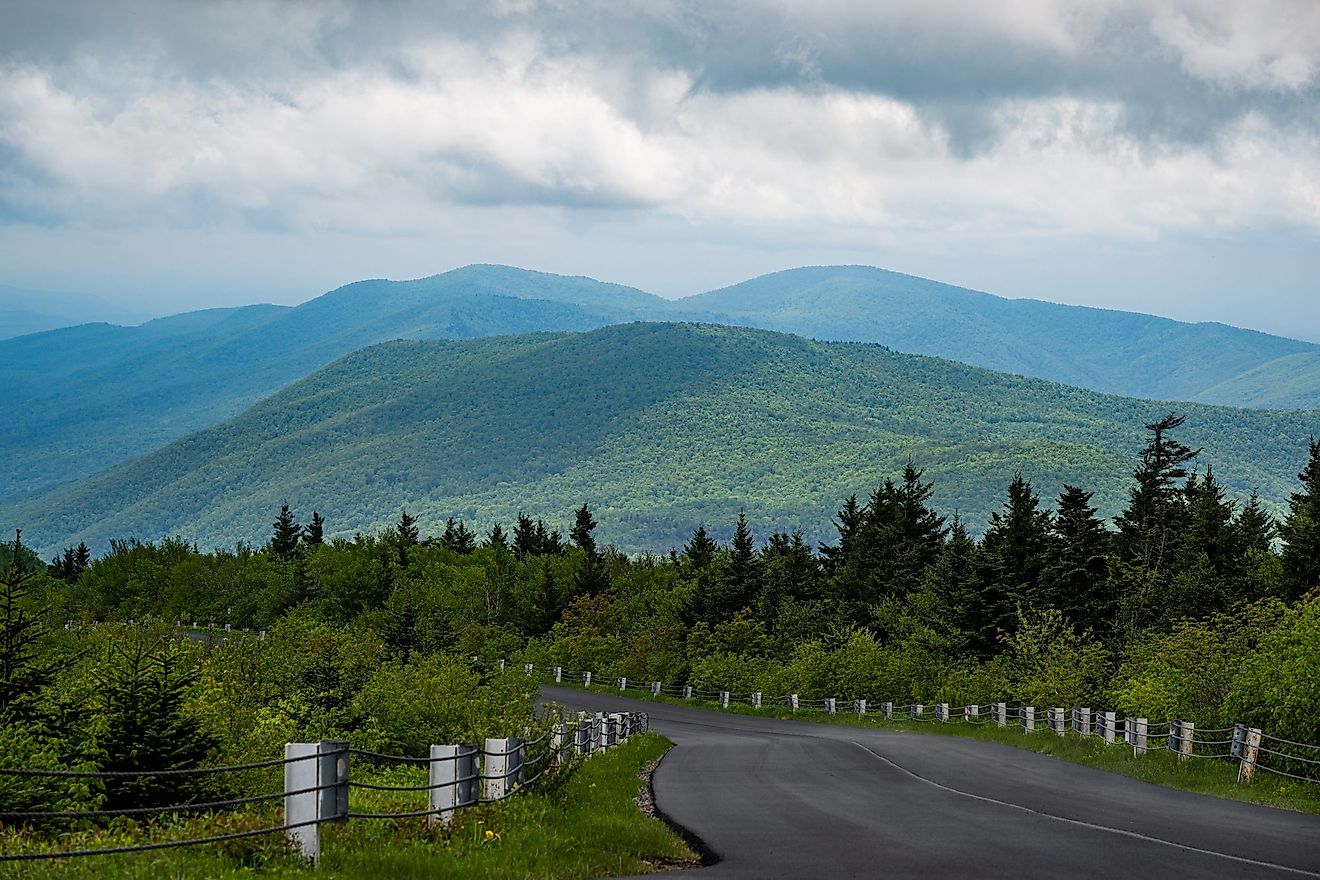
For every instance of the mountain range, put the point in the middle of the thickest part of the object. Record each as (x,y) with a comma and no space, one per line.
(659,426)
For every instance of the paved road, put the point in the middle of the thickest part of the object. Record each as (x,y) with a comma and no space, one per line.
(775,798)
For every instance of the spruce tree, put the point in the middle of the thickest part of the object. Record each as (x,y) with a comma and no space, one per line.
(1015,550)
(284,542)
(1208,533)
(1300,531)
(83,557)
(953,582)
(1149,529)
(314,532)
(524,536)
(458,537)
(583,526)
(848,522)
(744,578)
(149,728)
(496,539)
(700,550)
(407,530)
(1254,529)
(592,578)
(1076,577)
(23,674)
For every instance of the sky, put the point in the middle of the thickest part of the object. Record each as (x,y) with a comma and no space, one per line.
(1153,155)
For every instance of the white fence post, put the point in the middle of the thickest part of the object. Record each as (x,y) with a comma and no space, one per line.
(1109,723)
(942,710)
(1001,709)
(829,705)
(793,702)
(323,768)
(1059,728)
(527,669)
(687,692)
(502,767)
(916,710)
(887,710)
(582,736)
(861,707)
(655,688)
(1250,754)
(1084,721)
(1029,719)
(606,727)
(501,666)
(558,744)
(724,699)
(972,713)
(756,700)
(623,683)
(586,679)
(453,781)
(1139,739)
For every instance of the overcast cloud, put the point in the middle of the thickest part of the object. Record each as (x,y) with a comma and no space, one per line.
(1160,155)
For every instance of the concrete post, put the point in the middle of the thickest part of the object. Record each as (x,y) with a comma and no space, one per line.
(453,781)
(861,707)
(1188,731)
(972,713)
(942,712)
(527,669)
(1059,728)
(623,683)
(756,700)
(1029,719)
(655,688)
(582,737)
(586,679)
(1250,754)
(793,702)
(1001,710)
(606,728)
(829,705)
(1139,740)
(502,767)
(559,674)
(687,692)
(558,744)
(501,666)
(1084,721)
(724,699)
(1108,721)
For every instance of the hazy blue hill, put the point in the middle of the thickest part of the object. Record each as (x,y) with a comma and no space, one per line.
(1118,352)
(1291,381)
(25,311)
(92,396)
(660,426)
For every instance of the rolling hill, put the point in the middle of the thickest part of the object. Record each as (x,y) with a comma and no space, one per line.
(32,311)
(659,426)
(93,396)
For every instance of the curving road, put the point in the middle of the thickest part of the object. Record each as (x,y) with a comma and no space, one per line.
(772,798)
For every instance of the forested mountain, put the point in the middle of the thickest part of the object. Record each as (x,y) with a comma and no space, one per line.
(1117,352)
(92,396)
(32,311)
(661,426)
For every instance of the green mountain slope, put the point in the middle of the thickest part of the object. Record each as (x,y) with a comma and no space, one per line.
(91,396)
(1291,381)
(1117,352)
(33,311)
(660,426)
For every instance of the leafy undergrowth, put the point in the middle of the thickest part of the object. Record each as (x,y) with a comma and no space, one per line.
(587,824)
(1215,777)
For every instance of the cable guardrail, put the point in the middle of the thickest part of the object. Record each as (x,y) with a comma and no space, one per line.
(317,785)
(1178,737)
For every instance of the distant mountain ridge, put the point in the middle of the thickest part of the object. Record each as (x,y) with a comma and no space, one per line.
(24,311)
(89,397)
(660,426)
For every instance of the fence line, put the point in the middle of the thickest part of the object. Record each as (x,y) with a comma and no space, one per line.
(1245,745)
(317,781)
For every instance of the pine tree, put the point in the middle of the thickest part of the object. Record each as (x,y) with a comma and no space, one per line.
(284,543)
(1254,528)
(1149,529)
(458,537)
(952,580)
(83,557)
(1076,578)
(23,675)
(744,576)
(524,536)
(1300,531)
(848,522)
(700,549)
(496,539)
(1208,533)
(314,532)
(407,530)
(1015,550)
(591,579)
(148,727)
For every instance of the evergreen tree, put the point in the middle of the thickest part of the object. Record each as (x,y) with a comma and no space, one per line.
(1076,578)
(83,557)
(496,539)
(284,543)
(24,675)
(1254,529)
(1208,533)
(1014,552)
(744,576)
(1149,529)
(953,582)
(314,532)
(848,522)
(458,537)
(1300,531)
(592,578)
(148,728)
(524,536)
(700,549)
(407,529)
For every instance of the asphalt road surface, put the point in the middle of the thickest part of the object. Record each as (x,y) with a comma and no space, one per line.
(771,798)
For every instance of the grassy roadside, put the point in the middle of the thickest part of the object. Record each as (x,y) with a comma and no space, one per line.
(587,825)
(1203,776)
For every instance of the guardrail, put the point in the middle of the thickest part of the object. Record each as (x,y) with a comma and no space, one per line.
(318,780)
(1252,749)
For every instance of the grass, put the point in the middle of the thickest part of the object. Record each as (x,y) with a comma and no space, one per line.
(584,824)
(1217,778)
